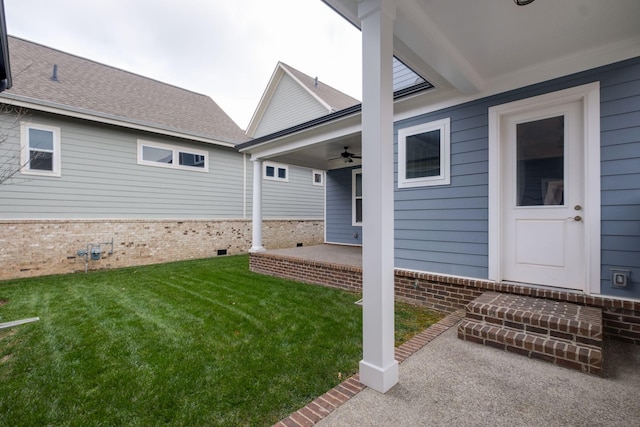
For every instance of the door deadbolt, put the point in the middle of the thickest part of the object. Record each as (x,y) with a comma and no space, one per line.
(577,207)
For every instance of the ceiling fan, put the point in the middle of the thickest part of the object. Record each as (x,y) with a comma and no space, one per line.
(347,156)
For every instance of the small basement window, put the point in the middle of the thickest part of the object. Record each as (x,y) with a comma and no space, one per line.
(172,156)
(276,172)
(40,153)
(424,155)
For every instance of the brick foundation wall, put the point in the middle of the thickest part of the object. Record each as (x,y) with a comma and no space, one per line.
(337,276)
(35,248)
(621,319)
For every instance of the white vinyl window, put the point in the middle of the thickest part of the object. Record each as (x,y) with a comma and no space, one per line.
(356,191)
(424,157)
(172,156)
(276,172)
(317,178)
(40,152)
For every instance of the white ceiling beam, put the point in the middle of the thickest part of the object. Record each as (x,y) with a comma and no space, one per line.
(422,36)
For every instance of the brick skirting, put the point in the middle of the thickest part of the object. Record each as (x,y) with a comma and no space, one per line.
(39,247)
(621,318)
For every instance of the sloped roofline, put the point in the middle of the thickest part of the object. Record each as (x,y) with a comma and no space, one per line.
(94,116)
(289,70)
(280,70)
(269,90)
(29,98)
(332,117)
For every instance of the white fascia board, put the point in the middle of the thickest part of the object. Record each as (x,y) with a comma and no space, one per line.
(64,110)
(306,89)
(348,9)
(265,99)
(290,143)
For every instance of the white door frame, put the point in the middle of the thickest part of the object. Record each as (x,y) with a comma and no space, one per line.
(589,94)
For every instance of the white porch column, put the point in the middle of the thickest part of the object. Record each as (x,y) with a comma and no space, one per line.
(378,368)
(256,218)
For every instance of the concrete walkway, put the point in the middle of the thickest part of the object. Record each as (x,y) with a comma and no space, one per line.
(450,382)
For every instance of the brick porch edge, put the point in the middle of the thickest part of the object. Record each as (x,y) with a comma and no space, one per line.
(621,318)
(318,409)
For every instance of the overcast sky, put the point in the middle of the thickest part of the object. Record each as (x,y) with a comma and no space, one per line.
(226,49)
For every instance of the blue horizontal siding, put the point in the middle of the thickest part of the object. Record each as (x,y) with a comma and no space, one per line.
(620,176)
(444,229)
(338,208)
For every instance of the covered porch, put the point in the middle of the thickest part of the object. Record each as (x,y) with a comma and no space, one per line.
(454,45)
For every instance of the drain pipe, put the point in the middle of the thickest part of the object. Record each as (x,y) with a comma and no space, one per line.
(18,322)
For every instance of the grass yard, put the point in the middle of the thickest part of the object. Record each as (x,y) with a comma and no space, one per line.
(202,342)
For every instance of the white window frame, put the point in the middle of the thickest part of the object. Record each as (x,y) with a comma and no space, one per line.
(444,126)
(315,172)
(355,223)
(25,156)
(276,167)
(176,149)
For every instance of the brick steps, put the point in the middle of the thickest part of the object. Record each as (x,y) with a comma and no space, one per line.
(558,332)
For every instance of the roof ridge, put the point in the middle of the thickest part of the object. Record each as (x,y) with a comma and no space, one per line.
(107,65)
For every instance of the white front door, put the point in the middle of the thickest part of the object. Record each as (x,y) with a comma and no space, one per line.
(543,195)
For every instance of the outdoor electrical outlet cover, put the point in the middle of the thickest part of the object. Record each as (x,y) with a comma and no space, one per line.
(619,278)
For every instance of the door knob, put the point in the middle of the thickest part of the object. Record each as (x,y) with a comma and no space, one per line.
(577,218)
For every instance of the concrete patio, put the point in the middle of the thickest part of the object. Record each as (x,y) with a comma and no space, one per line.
(332,254)
(450,382)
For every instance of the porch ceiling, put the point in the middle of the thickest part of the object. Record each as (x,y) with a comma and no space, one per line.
(324,155)
(475,45)
(468,49)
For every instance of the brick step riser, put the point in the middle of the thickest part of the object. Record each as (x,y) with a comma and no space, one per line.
(585,358)
(569,330)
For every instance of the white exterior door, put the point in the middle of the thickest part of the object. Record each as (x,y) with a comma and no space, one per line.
(543,196)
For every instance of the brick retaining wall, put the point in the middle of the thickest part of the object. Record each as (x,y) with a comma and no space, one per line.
(621,319)
(40,247)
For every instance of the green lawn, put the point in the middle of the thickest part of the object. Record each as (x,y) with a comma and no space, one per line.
(201,342)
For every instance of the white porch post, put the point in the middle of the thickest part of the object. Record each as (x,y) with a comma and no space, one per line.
(378,368)
(256,218)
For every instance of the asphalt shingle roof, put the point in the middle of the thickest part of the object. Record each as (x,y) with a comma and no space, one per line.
(105,91)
